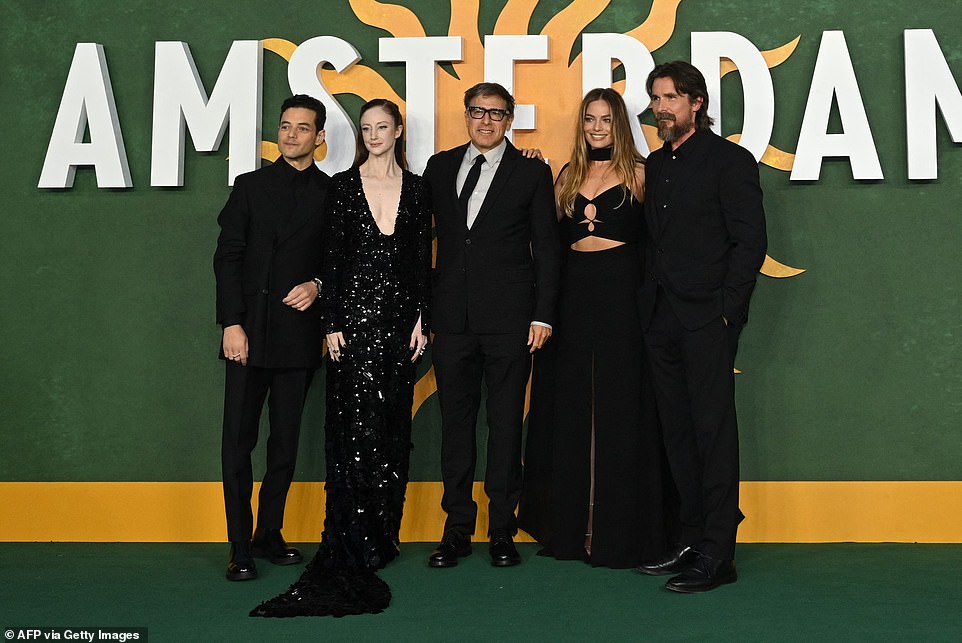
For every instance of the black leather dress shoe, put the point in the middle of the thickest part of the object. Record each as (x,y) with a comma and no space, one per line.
(676,562)
(270,544)
(453,545)
(240,565)
(502,549)
(706,574)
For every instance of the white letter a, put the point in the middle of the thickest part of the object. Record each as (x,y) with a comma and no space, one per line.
(88,102)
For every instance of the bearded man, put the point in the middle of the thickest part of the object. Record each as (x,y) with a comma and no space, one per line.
(705,244)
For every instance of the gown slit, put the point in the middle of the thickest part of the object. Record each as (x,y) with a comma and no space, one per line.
(592,481)
(591,465)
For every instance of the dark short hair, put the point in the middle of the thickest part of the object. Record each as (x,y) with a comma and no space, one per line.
(688,80)
(489,89)
(307,102)
(361,154)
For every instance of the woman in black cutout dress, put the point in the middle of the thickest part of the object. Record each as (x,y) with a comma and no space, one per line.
(375,292)
(592,488)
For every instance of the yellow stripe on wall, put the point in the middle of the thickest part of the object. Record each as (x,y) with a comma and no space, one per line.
(852,511)
(863,511)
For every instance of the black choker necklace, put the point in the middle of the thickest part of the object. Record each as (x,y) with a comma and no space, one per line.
(599,153)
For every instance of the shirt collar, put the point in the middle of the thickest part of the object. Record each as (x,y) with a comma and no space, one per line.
(290,170)
(492,157)
(691,144)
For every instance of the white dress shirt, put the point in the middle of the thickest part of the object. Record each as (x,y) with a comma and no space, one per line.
(492,160)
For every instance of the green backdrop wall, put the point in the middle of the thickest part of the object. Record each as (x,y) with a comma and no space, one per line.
(107,336)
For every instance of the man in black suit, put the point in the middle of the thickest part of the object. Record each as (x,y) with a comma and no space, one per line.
(493,293)
(705,244)
(268,255)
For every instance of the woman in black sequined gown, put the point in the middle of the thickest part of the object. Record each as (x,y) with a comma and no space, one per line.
(592,484)
(375,291)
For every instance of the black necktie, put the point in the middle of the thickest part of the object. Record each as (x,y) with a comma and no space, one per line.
(470,182)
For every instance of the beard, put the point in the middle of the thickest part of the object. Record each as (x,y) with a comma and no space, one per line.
(670,130)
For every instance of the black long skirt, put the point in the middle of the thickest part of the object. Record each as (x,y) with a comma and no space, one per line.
(593,480)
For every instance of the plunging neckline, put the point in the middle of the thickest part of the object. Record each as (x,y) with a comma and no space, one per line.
(370,210)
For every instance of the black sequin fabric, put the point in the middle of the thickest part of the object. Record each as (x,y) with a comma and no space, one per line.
(375,287)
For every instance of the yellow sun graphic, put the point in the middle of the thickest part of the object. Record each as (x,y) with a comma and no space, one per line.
(555,77)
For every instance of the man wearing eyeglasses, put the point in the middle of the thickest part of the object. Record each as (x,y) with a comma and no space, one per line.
(493,303)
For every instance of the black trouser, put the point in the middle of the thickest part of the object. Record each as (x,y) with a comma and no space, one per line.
(692,372)
(460,362)
(245,389)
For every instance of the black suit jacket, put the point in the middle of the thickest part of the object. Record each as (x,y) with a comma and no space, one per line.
(708,241)
(503,273)
(270,241)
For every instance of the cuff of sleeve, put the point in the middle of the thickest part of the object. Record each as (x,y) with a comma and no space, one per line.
(538,323)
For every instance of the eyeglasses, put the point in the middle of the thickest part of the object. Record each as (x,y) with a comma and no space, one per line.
(478,113)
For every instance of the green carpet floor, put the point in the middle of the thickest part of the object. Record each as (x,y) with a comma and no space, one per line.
(839,592)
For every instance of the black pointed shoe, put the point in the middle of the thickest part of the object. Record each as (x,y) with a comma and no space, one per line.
(270,544)
(705,575)
(677,561)
(502,549)
(453,545)
(240,564)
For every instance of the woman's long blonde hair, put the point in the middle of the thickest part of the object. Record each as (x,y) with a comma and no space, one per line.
(624,155)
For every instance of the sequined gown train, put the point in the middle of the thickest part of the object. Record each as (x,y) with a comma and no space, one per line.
(375,286)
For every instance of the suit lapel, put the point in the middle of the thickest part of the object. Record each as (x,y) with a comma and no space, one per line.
(505,169)
(652,172)
(451,167)
(279,193)
(298,214)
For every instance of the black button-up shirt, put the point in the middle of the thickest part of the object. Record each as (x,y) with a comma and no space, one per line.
(674,170)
